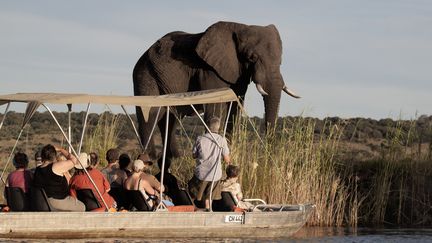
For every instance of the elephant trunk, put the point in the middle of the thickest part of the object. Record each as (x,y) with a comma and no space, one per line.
(271,106)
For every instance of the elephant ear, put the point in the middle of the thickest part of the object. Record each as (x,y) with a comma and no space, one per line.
(218,49)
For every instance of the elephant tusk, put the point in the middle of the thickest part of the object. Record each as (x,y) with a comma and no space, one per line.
(289,92)
(260,89)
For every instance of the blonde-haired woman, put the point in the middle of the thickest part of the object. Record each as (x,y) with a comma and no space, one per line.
(146,183)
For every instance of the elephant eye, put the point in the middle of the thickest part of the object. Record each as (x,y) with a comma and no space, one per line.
(253,57)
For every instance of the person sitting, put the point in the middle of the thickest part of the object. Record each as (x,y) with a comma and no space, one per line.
(170,183)
(112,172)
(50,176)
(230,184)
(21,177)
(93,160)
(147,162)
(124,161)
(80,180)
(147,184)
(61,157)
(38,161)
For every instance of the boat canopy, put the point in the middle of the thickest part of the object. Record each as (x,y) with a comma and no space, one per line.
(178,99)
(34,100)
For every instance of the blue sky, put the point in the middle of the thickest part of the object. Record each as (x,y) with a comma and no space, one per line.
(345,58)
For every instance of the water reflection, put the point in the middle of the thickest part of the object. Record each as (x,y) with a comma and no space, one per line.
(330,234)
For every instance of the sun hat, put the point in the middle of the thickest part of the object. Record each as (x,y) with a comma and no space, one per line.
(145,158)
(83,158)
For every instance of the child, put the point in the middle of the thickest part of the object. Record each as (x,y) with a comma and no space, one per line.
(230,184)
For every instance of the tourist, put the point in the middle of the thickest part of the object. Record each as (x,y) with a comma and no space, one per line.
(208,150)
(38,161)
(50,176)
(230,184)
(112,172)
(143,182)
(21,177)
(94,160)
(80,180)
(170,183)
(124,161)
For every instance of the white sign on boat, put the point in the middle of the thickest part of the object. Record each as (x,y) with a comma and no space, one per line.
(234,218)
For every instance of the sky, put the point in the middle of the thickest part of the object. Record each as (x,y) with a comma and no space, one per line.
(368,58)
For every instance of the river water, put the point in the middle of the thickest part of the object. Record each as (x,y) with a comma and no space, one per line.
(306,234)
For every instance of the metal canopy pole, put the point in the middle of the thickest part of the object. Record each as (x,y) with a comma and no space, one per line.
(5,113)
(84,128)
(69,124)
(76,155)
(226,121)
(154,126)
(161,204)
(134,128)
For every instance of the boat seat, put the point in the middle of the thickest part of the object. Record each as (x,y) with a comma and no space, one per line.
(88,198)
(137,201)
(226,204)
(16,199)
(120,197)
(39,200)
(183,198)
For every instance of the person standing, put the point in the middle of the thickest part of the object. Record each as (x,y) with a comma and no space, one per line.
(208,151)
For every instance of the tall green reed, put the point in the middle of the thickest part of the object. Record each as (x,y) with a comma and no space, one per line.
(104,136)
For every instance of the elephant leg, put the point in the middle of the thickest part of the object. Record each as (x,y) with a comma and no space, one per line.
(172,149)
(145,129)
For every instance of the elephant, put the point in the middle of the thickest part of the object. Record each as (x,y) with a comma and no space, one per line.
(227,54)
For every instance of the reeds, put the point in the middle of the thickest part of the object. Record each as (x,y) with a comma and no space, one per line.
(104,136)
(293,165)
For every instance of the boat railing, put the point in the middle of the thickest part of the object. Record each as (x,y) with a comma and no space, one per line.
(280,207)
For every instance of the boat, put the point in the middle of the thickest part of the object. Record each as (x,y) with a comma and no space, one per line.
(264,221)
(284,221)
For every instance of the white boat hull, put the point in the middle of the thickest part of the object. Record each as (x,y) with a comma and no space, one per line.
(68,225)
